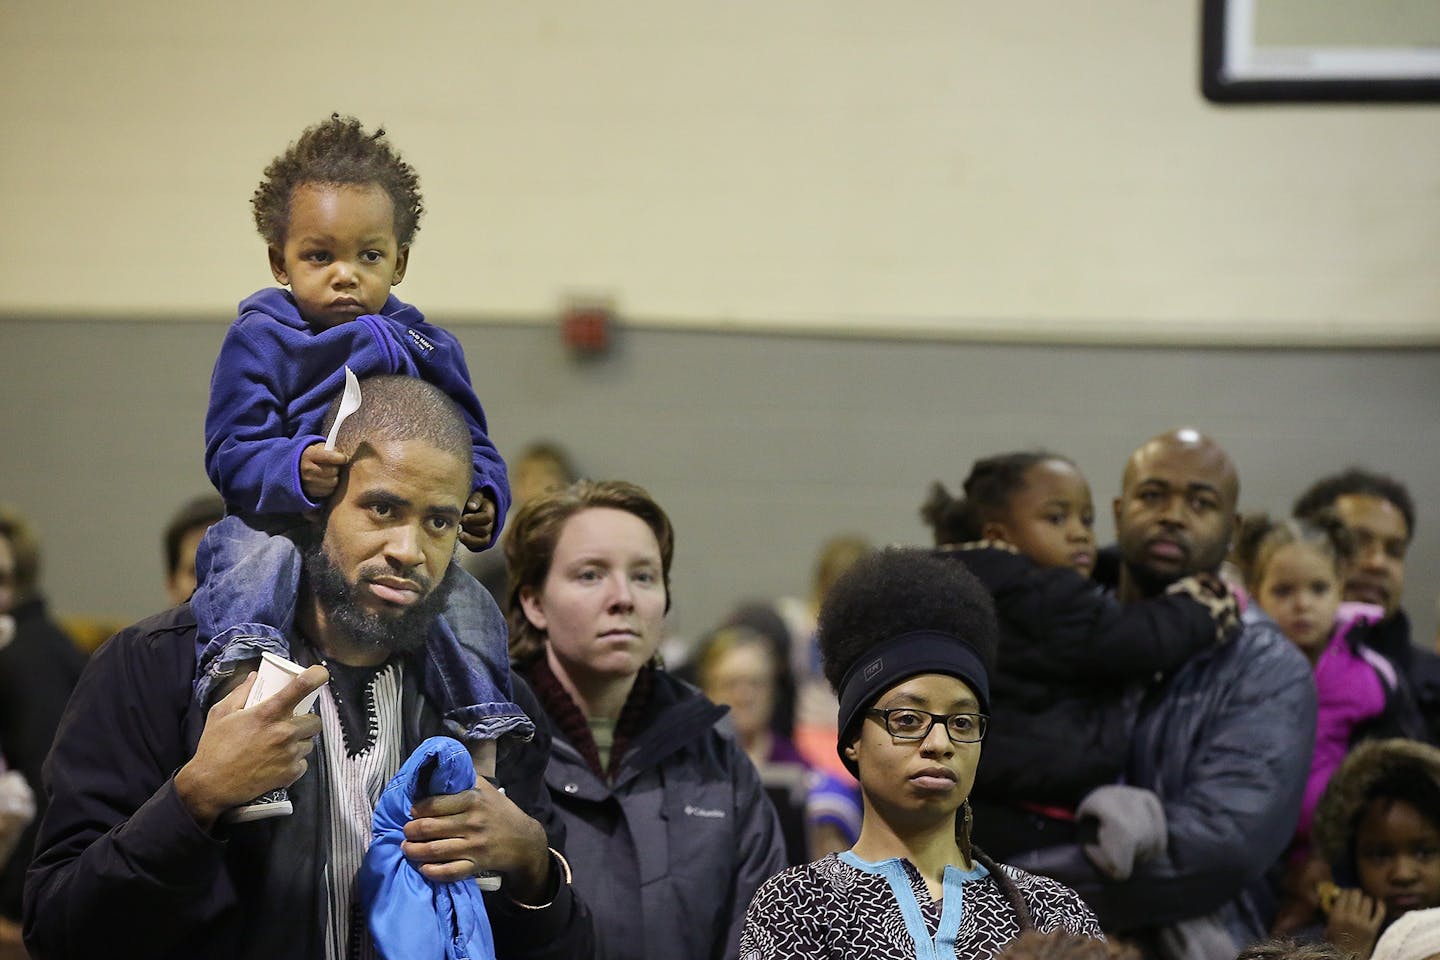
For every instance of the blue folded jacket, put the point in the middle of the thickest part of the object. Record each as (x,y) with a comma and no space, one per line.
(411,917)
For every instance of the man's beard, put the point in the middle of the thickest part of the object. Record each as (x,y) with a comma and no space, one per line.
(1151,583)
(1201,558)
(403,632)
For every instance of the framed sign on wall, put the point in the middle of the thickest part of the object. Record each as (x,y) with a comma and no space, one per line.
(1320,50)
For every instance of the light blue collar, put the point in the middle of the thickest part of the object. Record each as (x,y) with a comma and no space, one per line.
(893,870)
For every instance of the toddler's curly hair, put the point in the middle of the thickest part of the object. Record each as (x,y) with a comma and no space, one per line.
(337,151)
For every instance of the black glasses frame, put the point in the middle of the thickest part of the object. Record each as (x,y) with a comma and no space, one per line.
(982,723)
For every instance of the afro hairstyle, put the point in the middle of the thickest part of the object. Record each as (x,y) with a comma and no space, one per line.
(899,590)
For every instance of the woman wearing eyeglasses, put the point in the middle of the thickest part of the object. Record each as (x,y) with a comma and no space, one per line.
(906,639)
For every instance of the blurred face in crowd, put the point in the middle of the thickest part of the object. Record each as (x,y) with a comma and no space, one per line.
(602,604)
(836,556)
(1377,573)
(1300,591)
(1397,856)
(743,679)
(916,781)
(180,584)
(1051,519)
(1176,512)
(7,576)
(535,475)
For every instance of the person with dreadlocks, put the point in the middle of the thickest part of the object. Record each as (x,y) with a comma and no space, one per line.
(338,211)
(907,640)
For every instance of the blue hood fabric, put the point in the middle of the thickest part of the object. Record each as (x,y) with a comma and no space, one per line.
(410,916)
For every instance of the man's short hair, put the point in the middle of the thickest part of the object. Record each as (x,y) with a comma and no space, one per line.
(1357,481)
(397,408)
(203,511)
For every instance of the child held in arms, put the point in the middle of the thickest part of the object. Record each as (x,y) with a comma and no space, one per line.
(1071,660)
(338,211)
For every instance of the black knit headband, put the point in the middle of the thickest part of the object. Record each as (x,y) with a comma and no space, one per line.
(898,658)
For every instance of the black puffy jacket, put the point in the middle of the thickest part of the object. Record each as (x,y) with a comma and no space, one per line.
(1064,689)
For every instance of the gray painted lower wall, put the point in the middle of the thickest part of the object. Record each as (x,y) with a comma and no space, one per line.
(760,447)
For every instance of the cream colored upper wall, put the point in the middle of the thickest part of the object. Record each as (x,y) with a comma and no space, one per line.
(1024,169)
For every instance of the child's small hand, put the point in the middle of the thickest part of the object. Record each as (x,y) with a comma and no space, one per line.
(478,522)
(1355,923)
(320,471)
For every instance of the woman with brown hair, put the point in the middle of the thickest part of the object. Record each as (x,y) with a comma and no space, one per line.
(667,826)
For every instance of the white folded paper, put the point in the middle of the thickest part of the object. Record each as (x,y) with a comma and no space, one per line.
(274,673)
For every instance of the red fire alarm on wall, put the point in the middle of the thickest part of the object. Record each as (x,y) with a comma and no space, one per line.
(587,327)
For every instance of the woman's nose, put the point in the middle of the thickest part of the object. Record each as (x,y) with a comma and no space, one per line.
(937,741)
(620,595)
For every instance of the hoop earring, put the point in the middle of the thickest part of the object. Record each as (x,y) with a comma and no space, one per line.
(963,827)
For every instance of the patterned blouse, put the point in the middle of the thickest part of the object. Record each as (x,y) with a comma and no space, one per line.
(844,907)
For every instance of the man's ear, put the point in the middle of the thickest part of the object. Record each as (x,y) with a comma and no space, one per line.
(534,610)
(1115,508)
(402,260)
(277,265)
